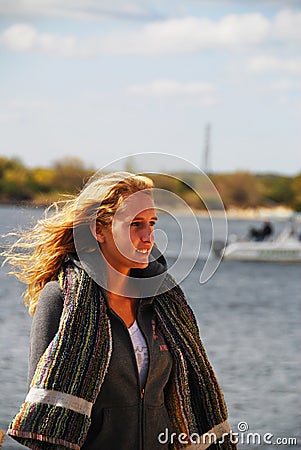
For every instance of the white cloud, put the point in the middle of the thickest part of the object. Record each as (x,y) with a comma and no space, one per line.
(193,34)
(189,35)
(75,9)
(287,26)
(19,37)
(134,9)
(174,36)
(205,93)
(169,37)
(23,37)
(285,85)
(265,63)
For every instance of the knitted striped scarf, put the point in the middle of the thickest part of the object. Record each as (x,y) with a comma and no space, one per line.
(56,412)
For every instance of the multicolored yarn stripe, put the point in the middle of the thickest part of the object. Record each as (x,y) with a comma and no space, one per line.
(74,363)
(77,359)
(195,401)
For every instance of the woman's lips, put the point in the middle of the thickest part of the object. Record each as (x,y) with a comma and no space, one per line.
(144,251)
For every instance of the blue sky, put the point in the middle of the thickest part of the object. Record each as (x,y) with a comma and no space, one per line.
(101,80)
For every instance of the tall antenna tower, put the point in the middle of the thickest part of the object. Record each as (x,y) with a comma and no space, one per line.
(206,151)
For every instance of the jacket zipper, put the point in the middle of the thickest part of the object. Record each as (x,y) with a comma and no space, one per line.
(141,390)
(141,409)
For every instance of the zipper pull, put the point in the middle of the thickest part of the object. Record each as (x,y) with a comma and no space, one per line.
(142,393)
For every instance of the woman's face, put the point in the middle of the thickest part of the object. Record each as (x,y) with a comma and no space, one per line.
(127,242)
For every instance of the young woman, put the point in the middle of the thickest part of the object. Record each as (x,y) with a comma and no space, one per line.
(116,361)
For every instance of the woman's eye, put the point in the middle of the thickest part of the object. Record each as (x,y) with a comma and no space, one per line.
(135,224)
(140,224)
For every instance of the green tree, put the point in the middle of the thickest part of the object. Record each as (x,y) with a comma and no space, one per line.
(15,185)
(296,189)
(241,189)
(42,180)
(70,175)
(277,189)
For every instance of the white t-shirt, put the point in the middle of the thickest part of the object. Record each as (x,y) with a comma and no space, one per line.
(141,351)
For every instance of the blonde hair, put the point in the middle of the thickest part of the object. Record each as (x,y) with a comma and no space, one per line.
(38,254)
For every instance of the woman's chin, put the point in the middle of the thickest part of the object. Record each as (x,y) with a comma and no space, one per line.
(140,265)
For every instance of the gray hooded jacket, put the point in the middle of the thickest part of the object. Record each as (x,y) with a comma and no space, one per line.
(124,416)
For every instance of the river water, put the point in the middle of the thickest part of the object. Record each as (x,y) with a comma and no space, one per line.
(249,320)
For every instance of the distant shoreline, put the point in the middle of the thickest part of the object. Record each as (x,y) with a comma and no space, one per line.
(243,193)
(259,213)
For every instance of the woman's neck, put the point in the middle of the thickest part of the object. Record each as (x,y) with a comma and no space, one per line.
(124,307)
(123,304)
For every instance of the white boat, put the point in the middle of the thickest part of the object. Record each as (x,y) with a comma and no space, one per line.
(286,247)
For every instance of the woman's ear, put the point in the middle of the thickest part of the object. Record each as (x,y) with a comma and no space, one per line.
(96,230)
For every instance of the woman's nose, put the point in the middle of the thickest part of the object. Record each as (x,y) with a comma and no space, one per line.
(147,234)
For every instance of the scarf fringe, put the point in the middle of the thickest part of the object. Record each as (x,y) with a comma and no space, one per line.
(75,363)
(195,401)
(32,440)
(37,424)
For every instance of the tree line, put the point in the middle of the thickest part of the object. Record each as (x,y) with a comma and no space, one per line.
(43,185)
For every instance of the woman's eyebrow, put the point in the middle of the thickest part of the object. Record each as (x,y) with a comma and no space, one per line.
(142,218)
